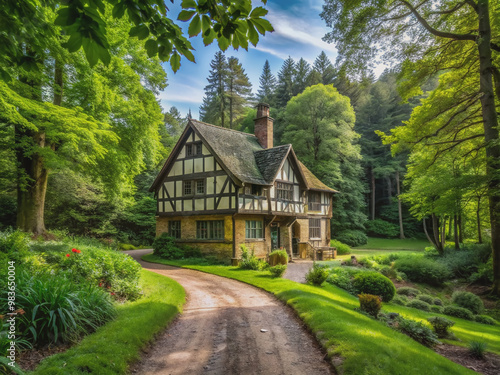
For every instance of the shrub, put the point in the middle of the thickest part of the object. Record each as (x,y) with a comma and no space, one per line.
(388,272)
(278,257)
(342,277)
(466,261)
(426,298)
(441,325)
(437,309)
(484,274)
(370,304)
(381,228)
(192,252)
(418,304)
(352,237)
(485,319)
(458,312)
(249,261)
(407,291)
(400,300)
(418,331)
(278,270)
(437,301)
(317,275)
(376,284)
(166,247)
(342,248)
(468,301)
(477,349)
(423,270)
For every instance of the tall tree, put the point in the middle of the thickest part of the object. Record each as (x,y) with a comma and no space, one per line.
(321,129)
(302,75)
(267,85)
(286,77)
(428,37)
(324,67)
(238,90)
(214,107)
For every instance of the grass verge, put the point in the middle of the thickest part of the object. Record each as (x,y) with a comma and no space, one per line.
(114,346)
(394,244)
(366,346)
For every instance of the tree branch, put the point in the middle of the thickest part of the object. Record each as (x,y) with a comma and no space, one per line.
(449,11)
(434,31)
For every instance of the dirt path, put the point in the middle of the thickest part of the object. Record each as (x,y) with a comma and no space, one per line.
(220,331)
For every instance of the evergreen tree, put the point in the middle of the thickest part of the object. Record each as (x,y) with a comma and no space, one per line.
(324,67)
(302,75)
(286,78)
(267,88)
(174,124)
(214,107)
(238,90)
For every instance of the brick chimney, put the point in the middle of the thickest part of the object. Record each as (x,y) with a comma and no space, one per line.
(264,126)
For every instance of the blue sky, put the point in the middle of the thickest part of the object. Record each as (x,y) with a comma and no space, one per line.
(298,32)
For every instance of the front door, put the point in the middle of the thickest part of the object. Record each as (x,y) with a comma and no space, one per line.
(275,237)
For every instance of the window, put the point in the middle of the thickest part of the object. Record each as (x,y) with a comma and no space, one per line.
(314,228)
(210,230)
(188,187)
(193,149)
(192,187)
(253,190)
(198,149)
(189,150)
(314,201)
(253,229)
(284,191)
(174,228)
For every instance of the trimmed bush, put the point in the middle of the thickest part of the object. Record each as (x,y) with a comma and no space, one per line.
(418,304)
(399,300)
(317,275)
(418,331)
(441,325)
(477,349)
(425,298)
(437,309)
(376,284)
(458,312)
(342,248)
(437,301)
(278,270)
(468,301)
(370,304)
(352,237)
(166,247)
(278,257)
(485,319)
(249,261)
(423,270)
(407,291)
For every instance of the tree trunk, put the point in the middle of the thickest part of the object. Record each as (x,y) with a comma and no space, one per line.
(435,233)
(389,190)
(400,209)
(373,194)
(490,124)
(460,229)
(443,233)
(427,233)
(450,228)
(478,218)
(455,236)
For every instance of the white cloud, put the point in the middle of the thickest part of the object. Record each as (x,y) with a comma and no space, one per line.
(180,92)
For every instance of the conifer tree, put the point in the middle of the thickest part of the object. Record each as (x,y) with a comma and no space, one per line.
(267,88)
(303,70)
(286,82)
(238,90)
(324,66)
(214,102)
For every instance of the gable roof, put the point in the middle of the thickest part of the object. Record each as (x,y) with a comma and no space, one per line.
(242,157)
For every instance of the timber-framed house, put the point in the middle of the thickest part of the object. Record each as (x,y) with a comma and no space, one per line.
(222,188)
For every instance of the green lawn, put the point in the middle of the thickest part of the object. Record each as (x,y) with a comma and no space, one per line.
(394,244)
(365,345)
(114,346)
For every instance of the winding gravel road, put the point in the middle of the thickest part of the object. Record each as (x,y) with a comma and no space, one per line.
(229,327)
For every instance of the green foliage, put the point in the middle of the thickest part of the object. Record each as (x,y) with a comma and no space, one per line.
(468,301)
(437,309)
(477,349)
(343,278)
(57,309)
(400,300)
(278,257)
(418,304)
(437,301)
(342,248)
(423,270)
(458,312)
(317,275)
(278,270)
(464,262)
(370,304)
(249,261)
(166,247)
(417,330)
(485,319)
(381,228)
(484,275)
(376,284)
(408,291)
(426,298)
(441,325)
(352,237)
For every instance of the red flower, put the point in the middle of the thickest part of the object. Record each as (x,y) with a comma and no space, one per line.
(112,293)
(78,251)
(73,250)
(67,255)
(100,284)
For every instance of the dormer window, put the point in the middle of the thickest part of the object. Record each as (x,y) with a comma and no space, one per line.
(314,201)
(284,191)
(193,149)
